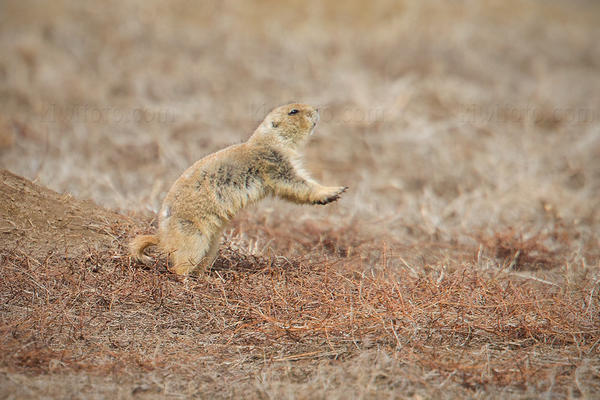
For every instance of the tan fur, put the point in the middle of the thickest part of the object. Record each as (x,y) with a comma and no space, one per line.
(139,244)
(208,194)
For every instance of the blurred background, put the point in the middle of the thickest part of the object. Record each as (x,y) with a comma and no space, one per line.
(442,117)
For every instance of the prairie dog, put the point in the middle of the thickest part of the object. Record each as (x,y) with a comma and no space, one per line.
(208,194)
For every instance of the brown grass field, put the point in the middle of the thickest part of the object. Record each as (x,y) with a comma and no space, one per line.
(463,262)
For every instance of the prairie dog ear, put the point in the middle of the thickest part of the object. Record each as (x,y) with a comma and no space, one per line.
(274,124)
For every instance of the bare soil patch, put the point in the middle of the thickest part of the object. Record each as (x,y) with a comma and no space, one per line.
(40,222)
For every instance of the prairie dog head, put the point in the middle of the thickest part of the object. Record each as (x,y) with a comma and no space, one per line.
(291,124)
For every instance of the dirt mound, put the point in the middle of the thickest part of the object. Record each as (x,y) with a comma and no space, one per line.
(39,221)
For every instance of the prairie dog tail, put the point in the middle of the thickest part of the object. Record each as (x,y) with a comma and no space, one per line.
(139,244)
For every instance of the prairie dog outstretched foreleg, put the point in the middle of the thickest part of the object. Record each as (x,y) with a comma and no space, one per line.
(290,184)
(302,191)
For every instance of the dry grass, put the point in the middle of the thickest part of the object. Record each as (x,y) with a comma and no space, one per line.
(473,327)
(463,262)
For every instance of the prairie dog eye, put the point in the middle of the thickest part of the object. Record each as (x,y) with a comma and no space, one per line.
(294,111)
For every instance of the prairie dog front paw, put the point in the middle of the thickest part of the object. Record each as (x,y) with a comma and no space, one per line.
(330,194)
